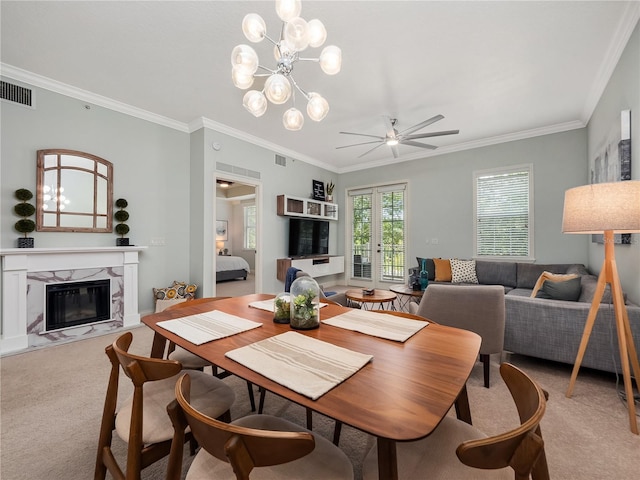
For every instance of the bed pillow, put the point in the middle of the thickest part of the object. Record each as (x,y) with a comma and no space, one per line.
(566,290)
(552,277)
(443,269)
(463,271)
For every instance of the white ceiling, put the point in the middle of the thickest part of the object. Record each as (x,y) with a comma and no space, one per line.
(497,71)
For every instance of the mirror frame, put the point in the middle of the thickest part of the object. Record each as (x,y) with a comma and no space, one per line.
(40,227)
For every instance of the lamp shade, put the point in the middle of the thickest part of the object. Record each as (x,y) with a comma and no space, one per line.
(601,207)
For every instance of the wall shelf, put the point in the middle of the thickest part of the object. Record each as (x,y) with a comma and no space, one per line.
(306,207)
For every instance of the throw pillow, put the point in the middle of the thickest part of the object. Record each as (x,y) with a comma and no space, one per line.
(177,290)
(552,277)
(566,290)
(443,269)
(431,267)
(463,271)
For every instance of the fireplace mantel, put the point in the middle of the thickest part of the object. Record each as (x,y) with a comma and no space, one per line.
(26,270)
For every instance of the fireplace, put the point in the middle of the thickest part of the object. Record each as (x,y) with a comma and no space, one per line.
(77,303)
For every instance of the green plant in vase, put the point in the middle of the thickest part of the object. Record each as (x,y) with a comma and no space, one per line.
(305,310)
(282,310)
(122,228)
(25,210)
(329,191)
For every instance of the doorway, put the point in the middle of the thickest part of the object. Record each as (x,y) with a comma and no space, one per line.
(237,235)
(377,236)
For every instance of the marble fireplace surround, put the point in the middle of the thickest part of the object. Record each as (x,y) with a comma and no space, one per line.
(26,271)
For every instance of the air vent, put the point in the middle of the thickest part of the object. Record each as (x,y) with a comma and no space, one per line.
(280,160)
(17,94)
(243,172)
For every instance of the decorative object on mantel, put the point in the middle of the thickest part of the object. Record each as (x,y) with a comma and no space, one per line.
(122,228)
(296,35)
(25,210)
(607,208)
(329,191)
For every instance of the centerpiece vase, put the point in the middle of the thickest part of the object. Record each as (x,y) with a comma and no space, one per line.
(305,304)
(424,276)
(282,308)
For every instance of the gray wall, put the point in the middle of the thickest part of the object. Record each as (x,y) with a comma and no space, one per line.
(440,201)
(622,93)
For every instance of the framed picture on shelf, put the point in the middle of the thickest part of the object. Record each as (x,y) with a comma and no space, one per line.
(318,190)
(221,230)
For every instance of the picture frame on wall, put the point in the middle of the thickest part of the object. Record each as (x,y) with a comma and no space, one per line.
(221,230)
(318,190)
(612,163)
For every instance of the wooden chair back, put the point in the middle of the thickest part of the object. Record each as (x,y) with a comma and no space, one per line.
(243,448)
(139,370)
(522,448)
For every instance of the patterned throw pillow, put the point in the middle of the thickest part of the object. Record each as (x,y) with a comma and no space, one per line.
(177,290)
(463,271)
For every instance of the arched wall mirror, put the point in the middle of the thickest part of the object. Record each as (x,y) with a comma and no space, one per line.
(74,192)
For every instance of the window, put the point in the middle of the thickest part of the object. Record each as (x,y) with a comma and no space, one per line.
(503,223)
(249,227)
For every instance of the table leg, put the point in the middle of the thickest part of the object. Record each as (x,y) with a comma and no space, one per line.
(158,346)
(387,459)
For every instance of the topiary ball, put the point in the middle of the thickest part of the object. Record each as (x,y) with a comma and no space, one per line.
(24,209)
(121,203)
(23,194)
(122,229)
(25,225)
(121,215)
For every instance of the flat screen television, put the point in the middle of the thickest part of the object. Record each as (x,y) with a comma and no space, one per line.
(308,237)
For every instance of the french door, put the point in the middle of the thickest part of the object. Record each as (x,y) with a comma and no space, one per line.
(377,236)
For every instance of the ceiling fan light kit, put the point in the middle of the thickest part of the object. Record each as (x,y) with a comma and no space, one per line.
(393,138)
(296,35)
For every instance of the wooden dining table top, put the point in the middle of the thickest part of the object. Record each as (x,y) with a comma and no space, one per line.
(402,394)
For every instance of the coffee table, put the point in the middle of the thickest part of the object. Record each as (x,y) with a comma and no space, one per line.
(379,297)
(406,295)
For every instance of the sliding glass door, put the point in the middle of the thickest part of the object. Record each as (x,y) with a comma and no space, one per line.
(377,236)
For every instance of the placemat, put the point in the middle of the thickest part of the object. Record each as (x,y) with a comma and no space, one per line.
(380,325)
(306,365)
(205,327)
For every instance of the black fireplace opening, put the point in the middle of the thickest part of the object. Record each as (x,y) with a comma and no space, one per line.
(77,303)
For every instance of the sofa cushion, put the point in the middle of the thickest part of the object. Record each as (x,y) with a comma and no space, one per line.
(496,273)
(463,271)
(431,267)
(443,269)
(551,277)
(560,290)
(528,273)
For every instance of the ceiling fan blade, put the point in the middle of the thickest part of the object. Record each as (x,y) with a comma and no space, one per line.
(394,150)
(418,144)
(422,125)
(369,151)
(356,144)
(432,134)
(388,125)
(363,135)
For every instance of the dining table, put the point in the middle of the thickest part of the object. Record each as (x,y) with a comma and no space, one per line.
(401,395)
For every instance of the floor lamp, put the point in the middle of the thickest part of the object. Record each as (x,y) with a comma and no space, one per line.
(607,208)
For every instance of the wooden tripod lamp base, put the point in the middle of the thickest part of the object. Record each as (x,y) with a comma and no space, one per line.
(609,208)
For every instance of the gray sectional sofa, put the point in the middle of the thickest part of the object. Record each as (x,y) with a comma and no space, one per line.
(552,329)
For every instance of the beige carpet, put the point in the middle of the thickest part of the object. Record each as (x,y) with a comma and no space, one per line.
(52,398)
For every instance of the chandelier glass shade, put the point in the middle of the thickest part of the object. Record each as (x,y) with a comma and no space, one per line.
(296,35)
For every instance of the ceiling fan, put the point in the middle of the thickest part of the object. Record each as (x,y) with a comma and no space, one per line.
(393,138)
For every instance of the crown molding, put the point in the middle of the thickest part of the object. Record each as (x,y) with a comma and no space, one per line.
(483,142)
(36,80)
(620,40)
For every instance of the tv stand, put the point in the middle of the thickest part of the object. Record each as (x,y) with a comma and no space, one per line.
(316,265)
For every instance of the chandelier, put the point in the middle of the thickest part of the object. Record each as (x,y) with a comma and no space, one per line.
(296,35)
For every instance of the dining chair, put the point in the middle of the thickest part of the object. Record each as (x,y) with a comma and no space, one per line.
(142,420)
(191,361)
(478,308)
(269,446)
(518,453)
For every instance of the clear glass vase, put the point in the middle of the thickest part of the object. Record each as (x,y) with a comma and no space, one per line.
(305,304)
(282,308)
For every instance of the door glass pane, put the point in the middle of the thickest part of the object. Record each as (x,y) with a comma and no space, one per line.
(361,235)
(392,236)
